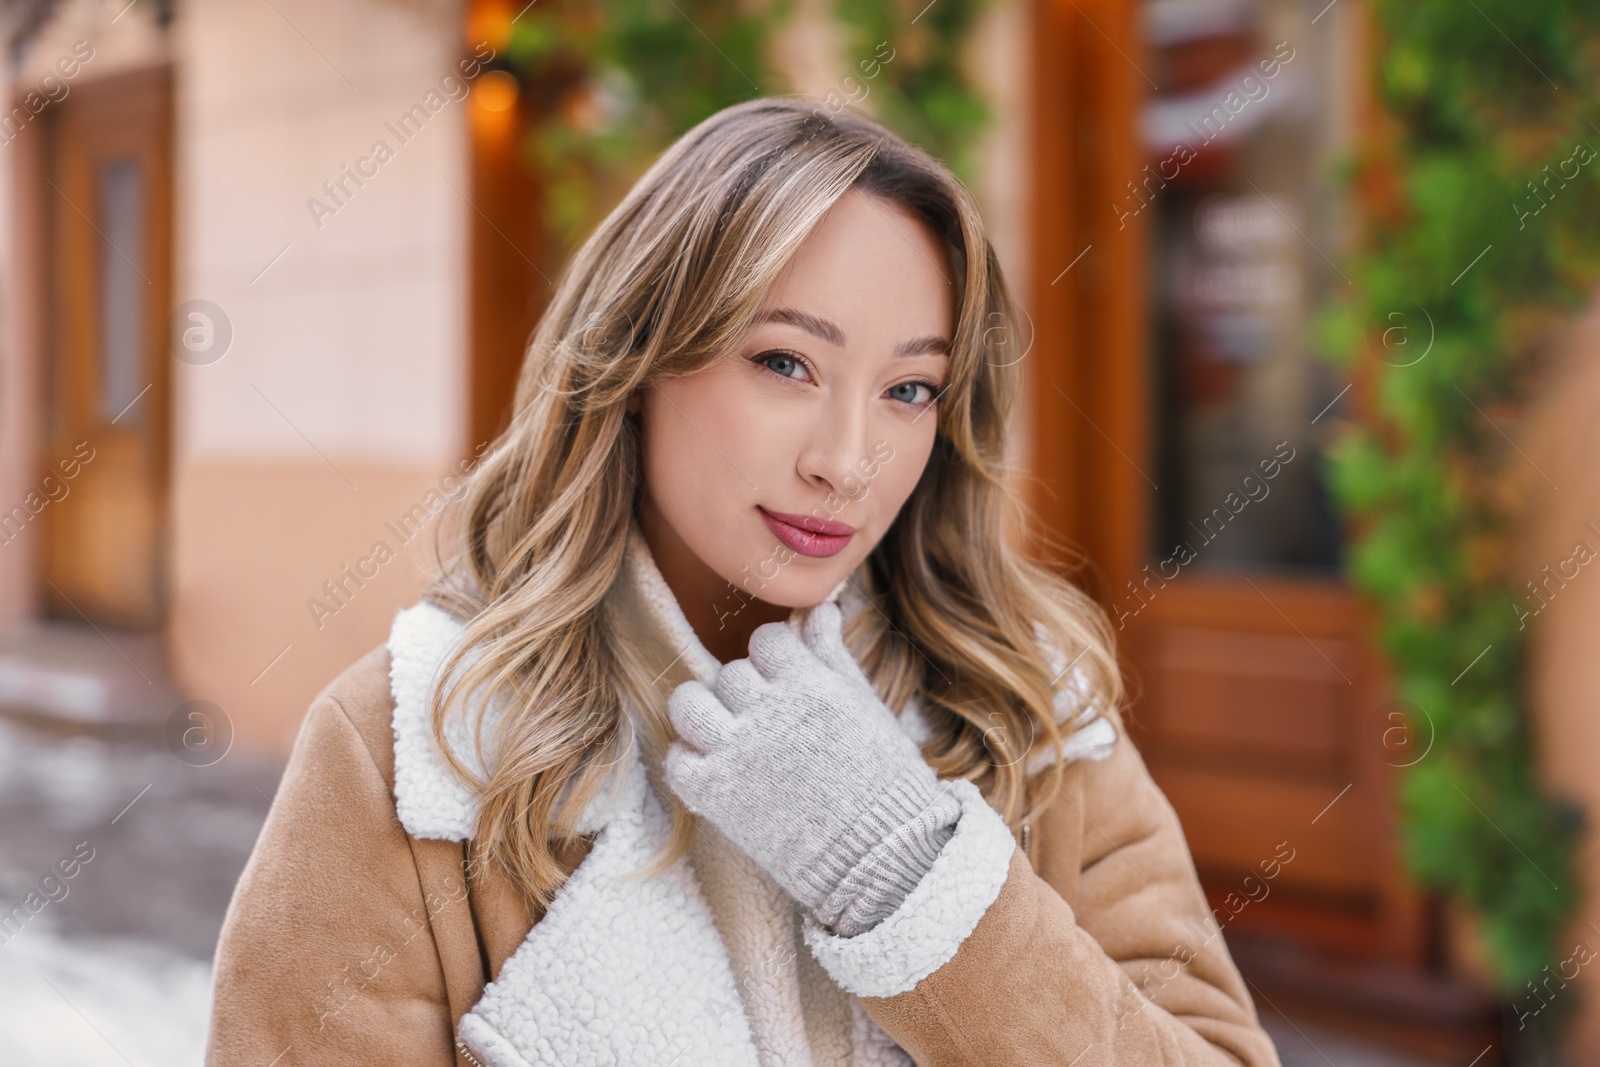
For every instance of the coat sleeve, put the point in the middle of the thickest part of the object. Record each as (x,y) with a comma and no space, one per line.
(327,955)
(1132,973)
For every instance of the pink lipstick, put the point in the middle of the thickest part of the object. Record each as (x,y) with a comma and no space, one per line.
(806,534)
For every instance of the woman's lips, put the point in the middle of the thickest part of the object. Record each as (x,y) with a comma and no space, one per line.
(807,535)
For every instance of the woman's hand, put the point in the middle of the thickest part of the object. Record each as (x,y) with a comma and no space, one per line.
(796,760)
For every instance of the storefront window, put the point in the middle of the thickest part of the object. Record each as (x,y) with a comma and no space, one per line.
(1240,134)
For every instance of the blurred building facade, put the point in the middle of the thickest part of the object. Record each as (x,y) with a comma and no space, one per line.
(267,271)
(298,378)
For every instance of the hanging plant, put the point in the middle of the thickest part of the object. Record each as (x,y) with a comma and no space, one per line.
(908,70)
(616,83)
(1480,199)
(612,85)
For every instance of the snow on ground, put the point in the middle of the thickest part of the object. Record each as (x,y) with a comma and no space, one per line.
(110,964)
(100,1002)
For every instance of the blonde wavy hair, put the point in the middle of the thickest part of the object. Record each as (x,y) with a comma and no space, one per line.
(665,286)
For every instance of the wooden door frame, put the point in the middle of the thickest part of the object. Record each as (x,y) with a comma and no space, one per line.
(1082,300)
(506,289)
(25,303)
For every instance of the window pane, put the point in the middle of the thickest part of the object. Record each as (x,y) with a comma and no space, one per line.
(122,290)
(1238,138)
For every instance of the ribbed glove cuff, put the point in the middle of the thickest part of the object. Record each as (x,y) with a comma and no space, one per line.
(883,879)
(884,855)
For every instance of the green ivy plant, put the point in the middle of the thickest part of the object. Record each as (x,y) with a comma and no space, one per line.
(615,83)
(1480,236)
(922,92)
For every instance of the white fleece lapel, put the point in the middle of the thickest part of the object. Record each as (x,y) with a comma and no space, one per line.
(620,969)
(430,800)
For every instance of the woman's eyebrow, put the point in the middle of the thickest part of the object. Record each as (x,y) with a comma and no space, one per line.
(926,345)
(817,326)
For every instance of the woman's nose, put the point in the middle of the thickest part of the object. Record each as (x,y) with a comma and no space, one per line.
(837,443)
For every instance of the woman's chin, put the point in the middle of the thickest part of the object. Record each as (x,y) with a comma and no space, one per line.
(800,591)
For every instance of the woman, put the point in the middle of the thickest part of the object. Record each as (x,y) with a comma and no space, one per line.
(732,732)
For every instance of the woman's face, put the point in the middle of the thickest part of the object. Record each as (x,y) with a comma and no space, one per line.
(779,467)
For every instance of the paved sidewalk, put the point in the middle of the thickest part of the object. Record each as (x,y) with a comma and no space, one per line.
(111,965)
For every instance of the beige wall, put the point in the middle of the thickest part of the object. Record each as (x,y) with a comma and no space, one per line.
(341,399)
(19,385)
(1563,442)
(256,630)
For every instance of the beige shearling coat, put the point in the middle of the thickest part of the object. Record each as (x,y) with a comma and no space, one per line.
(351,941)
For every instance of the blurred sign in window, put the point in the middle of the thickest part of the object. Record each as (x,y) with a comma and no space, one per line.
(1251,106)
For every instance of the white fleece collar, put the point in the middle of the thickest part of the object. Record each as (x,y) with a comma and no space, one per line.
(430,800)
(434,804)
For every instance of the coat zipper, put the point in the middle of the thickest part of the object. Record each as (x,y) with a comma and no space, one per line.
(461,1047)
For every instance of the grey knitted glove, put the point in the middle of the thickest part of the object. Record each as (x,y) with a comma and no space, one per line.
(796,760)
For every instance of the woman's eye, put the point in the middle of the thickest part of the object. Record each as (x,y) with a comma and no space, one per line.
(783,364)
(793,367)
(907,392)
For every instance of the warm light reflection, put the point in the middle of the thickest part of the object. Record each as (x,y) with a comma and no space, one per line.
(490,20)
(496,90)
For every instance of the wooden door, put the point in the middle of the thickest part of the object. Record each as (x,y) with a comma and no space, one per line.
(1186,229)
(107,197)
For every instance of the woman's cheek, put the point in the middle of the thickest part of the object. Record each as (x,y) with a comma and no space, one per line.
(900,459)
(745,421)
